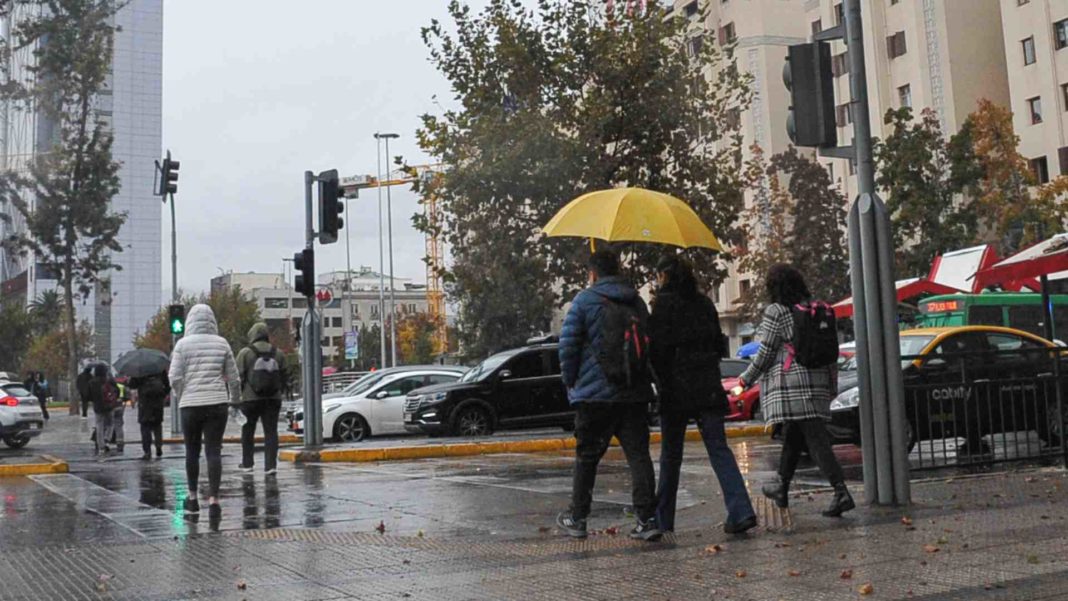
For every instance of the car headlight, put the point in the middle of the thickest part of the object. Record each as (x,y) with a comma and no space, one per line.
(330,408)
(437,397)
(847,400)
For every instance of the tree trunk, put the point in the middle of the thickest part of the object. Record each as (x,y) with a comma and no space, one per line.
(72,342)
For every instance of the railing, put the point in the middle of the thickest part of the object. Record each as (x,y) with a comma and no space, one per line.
(336,382)
(977,408)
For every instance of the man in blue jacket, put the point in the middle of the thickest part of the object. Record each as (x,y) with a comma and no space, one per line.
(605,403)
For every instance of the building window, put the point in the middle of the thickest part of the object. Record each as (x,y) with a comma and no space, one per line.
(1064,93)
(1060,33)
(374,312)
(1062,158)
(1034,105)
(904,96)
(843,114)
(1040,170)
(840,64)
(817,26)
(300,303)
(694,45)
(690,10)
(1029,51)
(335,322)
(275,303)
(852,166)
(895,45)
(839,14)
(744,286)
(727,34)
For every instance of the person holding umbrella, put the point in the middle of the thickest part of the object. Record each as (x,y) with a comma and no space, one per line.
(147,373)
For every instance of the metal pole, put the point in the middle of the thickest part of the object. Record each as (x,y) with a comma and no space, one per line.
(381,265)
(1047,309)
(392,294)
(176,421)
(312,370)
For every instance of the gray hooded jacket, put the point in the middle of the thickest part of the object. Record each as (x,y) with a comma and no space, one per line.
(203,371)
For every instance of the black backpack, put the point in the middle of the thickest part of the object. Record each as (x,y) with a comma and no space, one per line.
(815,342)
(624,352)
(265,377)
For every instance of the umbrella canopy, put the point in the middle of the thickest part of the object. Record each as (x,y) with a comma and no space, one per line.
(142,362)
(1042,259)
(748,350)
(632,215)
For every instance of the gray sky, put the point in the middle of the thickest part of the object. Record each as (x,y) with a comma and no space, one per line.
(256,92)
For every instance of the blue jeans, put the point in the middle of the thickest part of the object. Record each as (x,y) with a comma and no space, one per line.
(673,431)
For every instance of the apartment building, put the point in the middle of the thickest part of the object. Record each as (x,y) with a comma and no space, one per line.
(1035,39)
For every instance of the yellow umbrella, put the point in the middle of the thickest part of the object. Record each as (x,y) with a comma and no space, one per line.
(632,215)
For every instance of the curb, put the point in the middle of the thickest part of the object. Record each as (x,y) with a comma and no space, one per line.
(55,465)
(466,449)
(282,439)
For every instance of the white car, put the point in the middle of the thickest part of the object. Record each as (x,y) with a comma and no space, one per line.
(376,406)
(20,415)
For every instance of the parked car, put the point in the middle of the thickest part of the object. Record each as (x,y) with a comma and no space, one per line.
(520,388)
(376,407)
(957,383)
(291,407)
(20,415)
(746,405)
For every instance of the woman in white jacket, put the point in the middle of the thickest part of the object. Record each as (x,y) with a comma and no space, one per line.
(204,379)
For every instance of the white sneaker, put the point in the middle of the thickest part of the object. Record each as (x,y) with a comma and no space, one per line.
(271,472)
(245,468)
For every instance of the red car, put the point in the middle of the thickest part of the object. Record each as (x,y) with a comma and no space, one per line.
(744,406)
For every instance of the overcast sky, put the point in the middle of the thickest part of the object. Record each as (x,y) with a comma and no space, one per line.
(255,93)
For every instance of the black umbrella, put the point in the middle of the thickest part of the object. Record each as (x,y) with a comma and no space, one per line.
(142,362)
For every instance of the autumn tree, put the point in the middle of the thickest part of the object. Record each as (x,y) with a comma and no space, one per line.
(235,314)
(768,231)
(555,101)
(415,338)
(65,198)
(48,353)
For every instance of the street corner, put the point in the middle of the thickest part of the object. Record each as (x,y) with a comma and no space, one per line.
(32,465)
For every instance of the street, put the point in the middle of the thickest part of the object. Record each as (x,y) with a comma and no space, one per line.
(481,528)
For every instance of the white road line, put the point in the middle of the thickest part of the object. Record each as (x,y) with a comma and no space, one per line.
(108,504)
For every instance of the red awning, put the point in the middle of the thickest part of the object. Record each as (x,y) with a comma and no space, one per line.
(906,289)
(1044,258)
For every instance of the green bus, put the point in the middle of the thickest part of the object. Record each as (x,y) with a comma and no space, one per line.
(1020,310)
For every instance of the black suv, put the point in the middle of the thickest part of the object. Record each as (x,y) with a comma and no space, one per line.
(520,388)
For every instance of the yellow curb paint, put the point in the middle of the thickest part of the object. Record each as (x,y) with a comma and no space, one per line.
(54,465)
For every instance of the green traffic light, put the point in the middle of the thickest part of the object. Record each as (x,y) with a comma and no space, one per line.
(177,327)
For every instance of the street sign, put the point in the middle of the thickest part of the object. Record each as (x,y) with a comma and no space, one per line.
(323,295)
(352,345)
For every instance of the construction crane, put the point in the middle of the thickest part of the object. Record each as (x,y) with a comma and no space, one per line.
(428,175)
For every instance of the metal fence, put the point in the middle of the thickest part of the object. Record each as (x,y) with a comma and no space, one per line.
(975,408)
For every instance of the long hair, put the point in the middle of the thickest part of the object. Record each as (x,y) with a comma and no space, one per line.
(680,278)
(786,285)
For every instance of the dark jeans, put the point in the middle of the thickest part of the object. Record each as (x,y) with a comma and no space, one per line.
(595,425)
(267,412)
(148,430)
(43,402)
(812,433)
(85,406)
(673,432)
(205,425)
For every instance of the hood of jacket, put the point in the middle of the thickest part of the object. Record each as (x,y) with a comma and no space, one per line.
(258,333)
(201,320)
(616,288)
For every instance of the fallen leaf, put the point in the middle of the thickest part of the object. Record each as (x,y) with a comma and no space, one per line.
(931,549)
(713,549)
(782,545)
(740,574)
(381,527)
(842,556)
(866,589)
(419,534)
(407,562)
(794,572)
(697,577)
(1032,559)
(846,574)
(614,530)
(242,585)
(906,520)
(544,529)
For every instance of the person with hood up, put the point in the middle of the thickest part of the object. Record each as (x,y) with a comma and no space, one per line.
(263,380)
(687,345)
(152,394)
(204,380)
(610,398)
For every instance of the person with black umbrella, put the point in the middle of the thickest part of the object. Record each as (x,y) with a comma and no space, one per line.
(152,394)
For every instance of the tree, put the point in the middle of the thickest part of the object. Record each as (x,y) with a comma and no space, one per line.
(415,339)
(46,311)
(1011,214)
(48,352)
(817,244)
(560,100)
(768,231)
(65,199)
(924,175)
(234,312)
(16,330)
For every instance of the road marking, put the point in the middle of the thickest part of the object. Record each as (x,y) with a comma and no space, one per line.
(141,519)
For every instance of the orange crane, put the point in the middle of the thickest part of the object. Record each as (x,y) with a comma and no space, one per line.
(428,175)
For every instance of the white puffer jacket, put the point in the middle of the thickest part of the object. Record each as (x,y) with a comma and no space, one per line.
(203,370)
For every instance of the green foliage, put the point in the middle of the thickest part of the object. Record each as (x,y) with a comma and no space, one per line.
(46,312)
(234,312)
(16,330)
(553,102)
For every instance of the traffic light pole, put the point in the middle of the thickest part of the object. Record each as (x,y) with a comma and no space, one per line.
(311,350)
(176,422)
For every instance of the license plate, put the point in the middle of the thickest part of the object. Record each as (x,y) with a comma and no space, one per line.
(408,417)
(35,426)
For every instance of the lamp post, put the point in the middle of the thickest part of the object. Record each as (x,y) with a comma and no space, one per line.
(392,291)
(381,260)
(381,271)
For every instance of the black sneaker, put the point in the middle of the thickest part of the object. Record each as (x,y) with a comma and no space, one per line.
(214,511)
(740,527)
(571,527)
(146,456)
(191,506)
(647,531)
(159,452)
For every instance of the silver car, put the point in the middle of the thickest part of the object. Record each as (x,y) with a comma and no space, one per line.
(20,415)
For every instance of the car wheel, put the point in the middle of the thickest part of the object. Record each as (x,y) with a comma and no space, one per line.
(351,427)
(17,442)
(473,421)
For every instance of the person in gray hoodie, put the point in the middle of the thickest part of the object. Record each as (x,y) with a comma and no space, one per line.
(205,381)
(263,381)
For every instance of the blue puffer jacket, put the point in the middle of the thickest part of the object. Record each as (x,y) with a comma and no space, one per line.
(581,337)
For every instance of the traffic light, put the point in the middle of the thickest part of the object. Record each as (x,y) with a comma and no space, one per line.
(177,319)
(168,179)
(807,75)
(330,208)
(304,262)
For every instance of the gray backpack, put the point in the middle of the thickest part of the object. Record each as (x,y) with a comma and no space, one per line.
(265,378)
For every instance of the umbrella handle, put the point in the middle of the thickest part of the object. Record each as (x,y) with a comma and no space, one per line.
(593,245)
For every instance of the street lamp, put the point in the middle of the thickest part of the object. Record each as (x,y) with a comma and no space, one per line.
(389,219)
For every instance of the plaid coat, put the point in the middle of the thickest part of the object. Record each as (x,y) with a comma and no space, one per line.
(797,394)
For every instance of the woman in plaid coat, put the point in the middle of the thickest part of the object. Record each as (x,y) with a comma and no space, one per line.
(797,397)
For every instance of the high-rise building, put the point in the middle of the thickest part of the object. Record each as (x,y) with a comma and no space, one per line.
(125,300)
(1035,34)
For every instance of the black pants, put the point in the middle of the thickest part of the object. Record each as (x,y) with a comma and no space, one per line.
(267,412)
(148,430)
(43,402)
(85,406)
(205,425)
(812,433)
(595,425)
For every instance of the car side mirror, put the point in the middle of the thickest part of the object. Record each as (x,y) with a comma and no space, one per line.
(505,374)
(935,364)
(382,394)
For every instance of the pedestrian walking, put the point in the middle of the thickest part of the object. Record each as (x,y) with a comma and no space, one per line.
(204,379)
(152,394)
(103,394)
(792,394)
(687,345)
(35,385)
(604,364)
(118,417)
(81,384)
(264,379)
